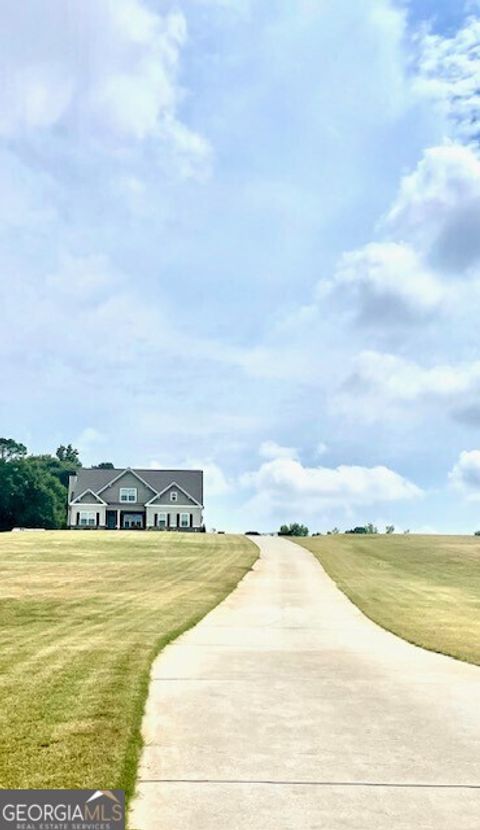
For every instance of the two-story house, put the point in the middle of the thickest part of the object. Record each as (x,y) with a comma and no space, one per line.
(136,499)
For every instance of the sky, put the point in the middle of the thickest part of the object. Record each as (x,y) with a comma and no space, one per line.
(244,235)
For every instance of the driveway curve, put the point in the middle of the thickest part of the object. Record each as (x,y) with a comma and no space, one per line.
(287,709)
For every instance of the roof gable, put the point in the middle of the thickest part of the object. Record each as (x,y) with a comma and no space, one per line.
(88,497)
(121,474)
(164,496)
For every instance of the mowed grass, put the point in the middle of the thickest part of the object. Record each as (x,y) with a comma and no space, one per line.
(82,616)
(426,589)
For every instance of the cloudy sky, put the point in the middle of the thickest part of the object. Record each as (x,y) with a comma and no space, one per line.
(245,234)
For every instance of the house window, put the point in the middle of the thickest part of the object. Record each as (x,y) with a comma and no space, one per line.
(128,494)
(174,495)
(162,519)
(87,519)
(184,519)
(133,520)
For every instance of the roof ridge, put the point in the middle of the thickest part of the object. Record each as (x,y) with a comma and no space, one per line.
(146,469)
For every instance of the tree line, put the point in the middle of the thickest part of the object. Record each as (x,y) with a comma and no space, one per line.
(34,488)
(296,529)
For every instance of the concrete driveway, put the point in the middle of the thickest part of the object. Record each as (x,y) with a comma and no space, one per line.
(286,708)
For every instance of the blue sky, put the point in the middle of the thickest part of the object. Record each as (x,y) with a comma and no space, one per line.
(244,235)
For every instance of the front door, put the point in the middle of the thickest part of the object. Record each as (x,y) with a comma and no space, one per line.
(111,519)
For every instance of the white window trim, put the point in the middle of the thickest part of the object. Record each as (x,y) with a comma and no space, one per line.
(174,496)
(89,520)
(162,519)
(124,490)
(182,517)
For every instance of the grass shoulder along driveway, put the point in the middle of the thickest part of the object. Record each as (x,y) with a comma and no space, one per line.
(82,616)
(425,589)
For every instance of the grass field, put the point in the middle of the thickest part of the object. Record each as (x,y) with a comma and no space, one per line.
(426,589)
(82,615)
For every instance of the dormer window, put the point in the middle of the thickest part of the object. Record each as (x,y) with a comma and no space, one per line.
(128,494)
(173,495)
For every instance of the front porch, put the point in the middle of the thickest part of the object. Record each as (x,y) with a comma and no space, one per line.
(125,519)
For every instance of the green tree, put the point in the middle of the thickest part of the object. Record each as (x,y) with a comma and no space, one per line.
(390,529)
(68,454)
(10,449)
(60,469)
(33,489)
(293,529)
(369,529)
(30,496)
(104,465)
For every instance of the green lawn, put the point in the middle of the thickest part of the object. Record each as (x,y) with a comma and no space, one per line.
(82,616)
(426,589)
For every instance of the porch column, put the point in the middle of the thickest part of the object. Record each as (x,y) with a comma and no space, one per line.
(118,519)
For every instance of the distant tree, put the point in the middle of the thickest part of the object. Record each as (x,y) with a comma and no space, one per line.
(10,449)
(30,496)
(33,488)
(55,467)
(364,529)
(390,529)
(294,529)
(406,532)
(68,454)
(104,465)
(477,533)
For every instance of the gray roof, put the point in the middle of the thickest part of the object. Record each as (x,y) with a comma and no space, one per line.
(189,480)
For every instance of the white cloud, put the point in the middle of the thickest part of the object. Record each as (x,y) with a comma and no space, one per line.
(465,475)
(380,382)
(99,71)
(386,282)
(448,70)
(271,450)
(438,208)
(216,482)
(286,483)
(408,381)
(429,262)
